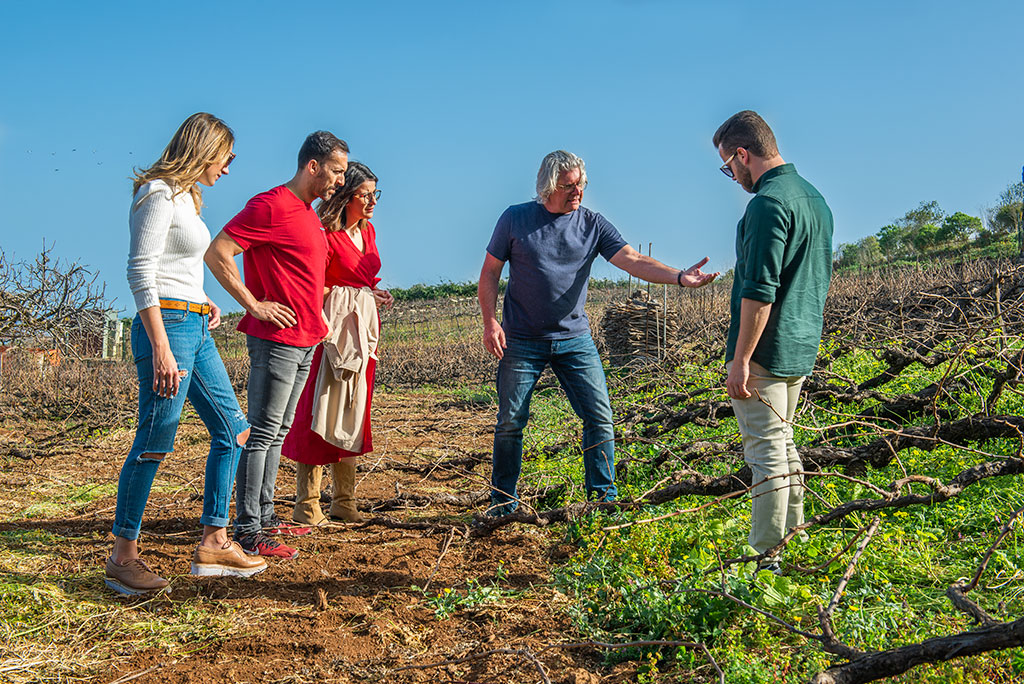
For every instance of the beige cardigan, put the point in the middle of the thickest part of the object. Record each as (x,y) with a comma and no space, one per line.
(339,398)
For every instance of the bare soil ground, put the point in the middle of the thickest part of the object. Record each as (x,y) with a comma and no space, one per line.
(346,609)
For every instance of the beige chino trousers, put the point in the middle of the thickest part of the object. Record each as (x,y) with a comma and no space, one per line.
(777,500)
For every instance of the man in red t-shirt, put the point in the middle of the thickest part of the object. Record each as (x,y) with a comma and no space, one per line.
(284,252)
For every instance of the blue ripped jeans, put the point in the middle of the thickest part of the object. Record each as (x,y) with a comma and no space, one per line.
(207,386)
(577,365)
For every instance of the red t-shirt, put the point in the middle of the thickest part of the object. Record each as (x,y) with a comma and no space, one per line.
(284,259)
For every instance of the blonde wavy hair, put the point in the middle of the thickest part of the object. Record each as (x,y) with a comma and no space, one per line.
(201,140)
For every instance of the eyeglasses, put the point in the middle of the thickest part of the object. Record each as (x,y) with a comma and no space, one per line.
(566,187)
(726,169)
(365,196)
(231,158)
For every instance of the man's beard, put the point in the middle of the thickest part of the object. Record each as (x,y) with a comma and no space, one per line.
(744,178)
(324,189)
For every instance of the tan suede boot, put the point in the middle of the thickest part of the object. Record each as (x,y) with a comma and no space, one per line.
(307,495)
(343,502)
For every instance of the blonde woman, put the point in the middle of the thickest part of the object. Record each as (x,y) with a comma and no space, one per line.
(175,357)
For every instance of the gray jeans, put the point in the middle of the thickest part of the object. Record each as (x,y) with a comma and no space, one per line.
(277,374)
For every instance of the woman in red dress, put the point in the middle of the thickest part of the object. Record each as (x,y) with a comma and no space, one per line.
(354,262)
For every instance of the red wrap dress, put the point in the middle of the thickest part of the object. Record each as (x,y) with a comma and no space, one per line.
(346,266)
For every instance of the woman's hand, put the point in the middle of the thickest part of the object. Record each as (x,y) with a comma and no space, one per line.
(166,378)
(214,321)
(383,298)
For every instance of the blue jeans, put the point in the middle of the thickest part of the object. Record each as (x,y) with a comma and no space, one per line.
(207,386)
(577,366)
(277,374)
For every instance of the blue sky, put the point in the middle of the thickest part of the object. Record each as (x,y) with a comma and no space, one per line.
(881,105)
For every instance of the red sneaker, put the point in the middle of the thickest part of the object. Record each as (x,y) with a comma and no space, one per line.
(278,526)
(259,544)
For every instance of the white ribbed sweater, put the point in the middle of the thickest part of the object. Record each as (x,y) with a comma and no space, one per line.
(168,241)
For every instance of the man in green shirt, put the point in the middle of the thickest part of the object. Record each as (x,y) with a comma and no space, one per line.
(783,267)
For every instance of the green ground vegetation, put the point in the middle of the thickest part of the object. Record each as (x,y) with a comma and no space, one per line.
(663,579)
(661,572)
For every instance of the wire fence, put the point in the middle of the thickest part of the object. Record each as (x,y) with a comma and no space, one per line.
(439,342)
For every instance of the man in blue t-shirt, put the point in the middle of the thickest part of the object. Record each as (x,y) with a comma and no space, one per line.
(550,244)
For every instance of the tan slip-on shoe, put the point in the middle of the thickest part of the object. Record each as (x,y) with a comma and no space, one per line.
(133,578)
(227,561)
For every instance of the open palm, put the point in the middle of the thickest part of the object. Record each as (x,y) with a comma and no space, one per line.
(694,277)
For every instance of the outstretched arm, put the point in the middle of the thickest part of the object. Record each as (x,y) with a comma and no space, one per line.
(487,293)
(220,258)
(653,271)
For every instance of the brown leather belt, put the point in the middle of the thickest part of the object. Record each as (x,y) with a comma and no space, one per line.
(191,307)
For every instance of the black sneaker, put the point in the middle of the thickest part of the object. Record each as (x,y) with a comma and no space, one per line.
(259,544)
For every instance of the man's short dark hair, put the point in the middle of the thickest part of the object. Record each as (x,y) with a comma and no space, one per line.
(320,145)
(748,130)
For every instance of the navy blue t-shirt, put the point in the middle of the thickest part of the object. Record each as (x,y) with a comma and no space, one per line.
(549,258)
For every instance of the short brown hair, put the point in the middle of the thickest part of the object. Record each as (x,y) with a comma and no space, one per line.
(320,145)
(748,130)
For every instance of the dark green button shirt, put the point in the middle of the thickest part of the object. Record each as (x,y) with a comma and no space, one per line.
(784,256)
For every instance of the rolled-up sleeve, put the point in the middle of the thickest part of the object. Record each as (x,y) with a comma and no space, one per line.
(765,232)
(149,222)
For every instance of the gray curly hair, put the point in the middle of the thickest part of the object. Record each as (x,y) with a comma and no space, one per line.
(555,163)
